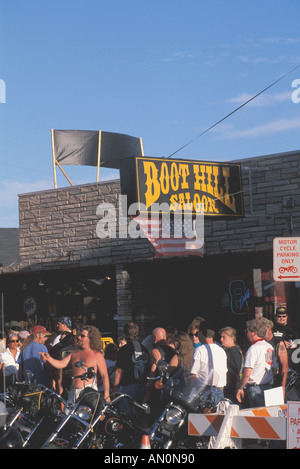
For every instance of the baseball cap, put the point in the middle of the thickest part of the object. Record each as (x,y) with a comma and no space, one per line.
(280,310)
(40,330)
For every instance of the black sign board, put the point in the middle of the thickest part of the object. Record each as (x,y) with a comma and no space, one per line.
(182,185)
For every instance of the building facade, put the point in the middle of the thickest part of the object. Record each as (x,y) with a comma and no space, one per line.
(64,268)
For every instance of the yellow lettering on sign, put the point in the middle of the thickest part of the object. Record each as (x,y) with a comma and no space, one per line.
(153,186)
(164,179)
(198,178)
(174,178)
(184,172)
(206,180)
(183,202)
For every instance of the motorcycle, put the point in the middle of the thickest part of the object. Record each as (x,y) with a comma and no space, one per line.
(32,412)
(182,394)
(292,389)
(94,423)
(36,413)
(113,429)
(10,438)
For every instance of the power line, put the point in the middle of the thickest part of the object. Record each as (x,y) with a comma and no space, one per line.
(22,167)
(235,110)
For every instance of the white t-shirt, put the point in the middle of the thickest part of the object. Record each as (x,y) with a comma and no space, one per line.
(9,362)
(2,346)
(56,340)
(210,365)
(261,358)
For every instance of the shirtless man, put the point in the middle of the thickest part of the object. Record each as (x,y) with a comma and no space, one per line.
(89,342)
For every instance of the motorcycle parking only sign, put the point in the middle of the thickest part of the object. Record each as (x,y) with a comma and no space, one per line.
(293,425)
(286,259)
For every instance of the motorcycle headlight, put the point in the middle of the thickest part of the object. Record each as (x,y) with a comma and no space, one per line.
(174,416)
(85,413)
(3,414)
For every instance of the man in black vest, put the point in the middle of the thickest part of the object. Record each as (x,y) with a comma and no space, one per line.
(63,344)
(280,379)
(287,332)
(161,351)
(132,368)
(282,329)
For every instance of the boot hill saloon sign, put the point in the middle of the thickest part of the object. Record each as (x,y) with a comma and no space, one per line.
(183,185)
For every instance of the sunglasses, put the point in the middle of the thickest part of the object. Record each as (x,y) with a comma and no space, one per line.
(13,341)
(193,335)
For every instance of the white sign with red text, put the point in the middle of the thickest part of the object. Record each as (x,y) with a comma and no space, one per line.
(286,259)
(293,425)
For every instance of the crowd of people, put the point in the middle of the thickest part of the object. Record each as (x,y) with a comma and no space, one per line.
(211,357)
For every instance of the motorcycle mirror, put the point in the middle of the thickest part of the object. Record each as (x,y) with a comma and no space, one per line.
(3,414)
(28,375)
(162,366)
(79,364)
(146,408)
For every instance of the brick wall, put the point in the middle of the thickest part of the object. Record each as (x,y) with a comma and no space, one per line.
(58,227)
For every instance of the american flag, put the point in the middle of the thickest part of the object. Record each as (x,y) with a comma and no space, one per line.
(173,237)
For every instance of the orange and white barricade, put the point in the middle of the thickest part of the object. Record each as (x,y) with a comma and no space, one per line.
(265,423)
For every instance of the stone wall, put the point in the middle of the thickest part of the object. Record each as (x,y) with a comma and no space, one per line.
(271,186)
(58,227)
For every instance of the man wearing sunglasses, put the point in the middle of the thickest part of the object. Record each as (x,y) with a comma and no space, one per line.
(89,351)
(282,330)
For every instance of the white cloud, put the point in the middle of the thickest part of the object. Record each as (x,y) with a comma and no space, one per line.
(9,190)
(261,100)
(177,56)
(281,125)
(281,40)
(257,60)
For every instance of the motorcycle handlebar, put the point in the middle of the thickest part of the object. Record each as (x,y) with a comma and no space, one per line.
(293,372)
(89,374)
(145,407)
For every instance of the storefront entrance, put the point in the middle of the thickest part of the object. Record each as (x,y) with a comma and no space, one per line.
(85,295)
(225,290)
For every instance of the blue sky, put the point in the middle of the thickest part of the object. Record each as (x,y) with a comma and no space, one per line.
(162,70)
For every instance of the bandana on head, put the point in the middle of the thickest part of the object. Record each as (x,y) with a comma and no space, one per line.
(65,320)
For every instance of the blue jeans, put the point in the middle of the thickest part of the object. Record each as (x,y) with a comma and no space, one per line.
(136,391)
(256,394)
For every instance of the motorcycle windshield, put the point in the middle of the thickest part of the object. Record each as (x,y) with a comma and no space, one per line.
(187,388)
